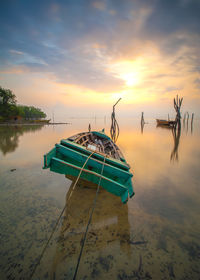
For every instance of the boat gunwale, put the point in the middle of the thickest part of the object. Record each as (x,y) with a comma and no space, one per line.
(167,122)
(122,164)
(96,160)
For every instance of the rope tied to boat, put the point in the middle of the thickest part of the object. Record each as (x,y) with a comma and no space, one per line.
(58,220)
(89,221)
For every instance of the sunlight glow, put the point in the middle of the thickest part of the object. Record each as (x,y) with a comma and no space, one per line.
(131,79)
(129,71)
(117,95)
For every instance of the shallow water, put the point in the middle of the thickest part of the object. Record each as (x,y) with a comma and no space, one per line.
(154,236)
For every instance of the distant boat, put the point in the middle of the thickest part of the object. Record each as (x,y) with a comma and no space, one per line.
(165,123)
(94,149)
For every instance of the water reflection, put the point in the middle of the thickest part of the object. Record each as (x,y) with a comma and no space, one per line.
(142,127)
(191,127)
(186,122)
(109,226)
(142,122)
(176,133)
(176,136)
(164,212)
(9,136)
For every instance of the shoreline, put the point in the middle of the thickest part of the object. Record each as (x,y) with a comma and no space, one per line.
(21,124)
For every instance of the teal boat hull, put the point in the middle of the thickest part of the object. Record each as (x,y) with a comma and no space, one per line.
(68,158)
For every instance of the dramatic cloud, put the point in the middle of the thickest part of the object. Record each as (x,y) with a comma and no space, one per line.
(112,46)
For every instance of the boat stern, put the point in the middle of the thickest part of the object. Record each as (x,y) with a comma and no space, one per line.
(48,157)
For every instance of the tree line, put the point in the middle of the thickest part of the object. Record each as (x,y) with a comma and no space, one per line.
(10,109)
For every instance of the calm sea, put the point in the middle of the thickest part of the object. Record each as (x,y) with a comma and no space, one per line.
(156,235)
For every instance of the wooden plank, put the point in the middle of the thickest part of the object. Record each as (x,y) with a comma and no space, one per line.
(89,171)
(86,134)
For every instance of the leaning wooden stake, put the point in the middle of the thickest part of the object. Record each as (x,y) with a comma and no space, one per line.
(114,130)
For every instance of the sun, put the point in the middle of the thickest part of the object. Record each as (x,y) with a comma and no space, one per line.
(131,78)
(129,71)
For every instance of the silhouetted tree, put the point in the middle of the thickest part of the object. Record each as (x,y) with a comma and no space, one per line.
(9,108)
(7,97)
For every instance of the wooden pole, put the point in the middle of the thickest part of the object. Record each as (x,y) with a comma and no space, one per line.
(114,130)
(192,122)
(177,106)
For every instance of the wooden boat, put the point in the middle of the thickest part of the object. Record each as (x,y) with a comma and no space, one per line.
(165,123)
(93,149)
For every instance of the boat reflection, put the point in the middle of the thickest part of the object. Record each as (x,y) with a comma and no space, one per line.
(109,228)
(9,136)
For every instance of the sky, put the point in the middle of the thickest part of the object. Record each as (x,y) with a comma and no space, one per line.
(75,58)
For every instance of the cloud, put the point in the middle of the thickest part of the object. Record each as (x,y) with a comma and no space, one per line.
(78,41)
(14,70)
(16,52)
(197,83)
(99,5)
(168,89)
(170,16)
